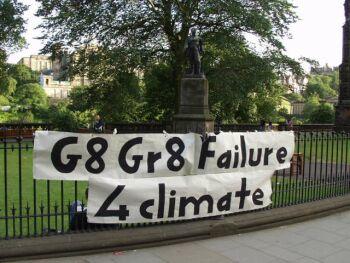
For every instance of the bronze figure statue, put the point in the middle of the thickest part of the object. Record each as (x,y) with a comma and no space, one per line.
(194,52)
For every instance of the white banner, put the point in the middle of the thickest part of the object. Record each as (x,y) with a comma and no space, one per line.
(72,156)
(176,198)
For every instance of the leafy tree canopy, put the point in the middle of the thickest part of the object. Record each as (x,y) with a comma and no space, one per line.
(311,105)
(11,29)
(7,86)
(319,113)
(324,113)
(325,86)
(4,101)
(136,36)
(31,96)
(159,92)
(23,74)
(11,24)
(294,97)
(20,90)
(116,99)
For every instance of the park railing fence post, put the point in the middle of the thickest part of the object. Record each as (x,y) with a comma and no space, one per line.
(320,169)
(19,147)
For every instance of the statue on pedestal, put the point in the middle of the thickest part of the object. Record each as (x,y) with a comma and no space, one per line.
(194,52)
(193,114)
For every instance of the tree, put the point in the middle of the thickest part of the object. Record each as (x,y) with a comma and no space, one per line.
(7,86)
(11,24)
(159,91)
(136,34)
(324,113)
(115,99)
(294,97)
(11,29)
(322,86)
(311,106)
(61,117)
(20,90)
(80,98)
(31,97)
(2,64)
(23,74)
(4,101)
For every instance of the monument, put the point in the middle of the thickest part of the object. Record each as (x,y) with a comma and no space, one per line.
(342,119)
(193,113)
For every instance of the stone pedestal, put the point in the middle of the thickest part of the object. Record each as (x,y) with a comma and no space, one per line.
(342,117)
(193,113)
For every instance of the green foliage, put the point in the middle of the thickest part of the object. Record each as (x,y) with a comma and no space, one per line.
(21,91)
(154,27)
(11,24)
(116,99)
(149,37)
(324,85)
(311,106)
(115,102)
(294,97)
(4,101)
(11,30)
(7,86)
(31,96)
(23,74)
(61,117)
(283,112)
(159,92)
(316,112)
(323,114)
(85,118)
(80,98)
(2,64)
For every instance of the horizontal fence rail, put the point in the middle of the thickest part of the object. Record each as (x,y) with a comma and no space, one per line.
(319,169)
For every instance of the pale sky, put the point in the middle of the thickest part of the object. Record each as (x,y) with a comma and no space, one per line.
(318,34)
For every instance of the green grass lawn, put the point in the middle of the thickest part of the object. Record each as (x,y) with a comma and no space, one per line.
(50,196)
(289,190)
(325,148)
(54,197)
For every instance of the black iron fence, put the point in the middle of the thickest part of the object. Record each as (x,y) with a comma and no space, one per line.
(319,169)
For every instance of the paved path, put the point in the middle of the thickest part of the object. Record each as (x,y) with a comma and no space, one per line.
(322,240)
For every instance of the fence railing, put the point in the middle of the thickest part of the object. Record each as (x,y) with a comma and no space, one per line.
(319,169)
(26,130)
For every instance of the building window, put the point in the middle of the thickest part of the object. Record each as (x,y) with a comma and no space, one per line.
(47,81)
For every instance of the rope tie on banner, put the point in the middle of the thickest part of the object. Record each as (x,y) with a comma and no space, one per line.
(165,134)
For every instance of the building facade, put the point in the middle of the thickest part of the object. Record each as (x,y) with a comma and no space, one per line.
(37,62)
(55,89)
(49,77)
(295,84)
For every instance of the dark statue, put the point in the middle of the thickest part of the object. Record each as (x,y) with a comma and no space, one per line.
(347,10)
(194,52)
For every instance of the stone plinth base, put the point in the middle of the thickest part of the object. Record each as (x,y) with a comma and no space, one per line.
(342,117)
(193,114)
(194,96)
(184,123)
